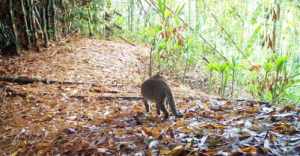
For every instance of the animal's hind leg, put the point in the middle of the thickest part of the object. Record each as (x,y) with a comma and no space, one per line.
(166,102)
(146,105)
(157,108)
(163,108)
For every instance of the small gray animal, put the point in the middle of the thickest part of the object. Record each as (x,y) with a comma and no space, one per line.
(155,89)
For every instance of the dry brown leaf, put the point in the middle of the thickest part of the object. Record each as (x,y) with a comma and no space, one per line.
(249,150)
(152,131)
(284,128)
(177,151)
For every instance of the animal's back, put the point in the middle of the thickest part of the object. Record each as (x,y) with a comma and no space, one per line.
(157,90)
(154,88)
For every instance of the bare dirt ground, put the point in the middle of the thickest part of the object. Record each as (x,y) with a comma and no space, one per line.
(75,119)
(43,112)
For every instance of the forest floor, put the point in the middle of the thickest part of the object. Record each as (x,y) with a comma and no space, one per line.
(100,111)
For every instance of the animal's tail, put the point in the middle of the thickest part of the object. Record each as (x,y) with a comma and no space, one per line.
(172,104)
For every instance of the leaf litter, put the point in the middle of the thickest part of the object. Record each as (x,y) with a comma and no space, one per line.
(56,119)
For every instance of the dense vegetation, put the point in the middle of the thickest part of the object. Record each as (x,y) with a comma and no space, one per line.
(73,77)
(239,45)
(237,48)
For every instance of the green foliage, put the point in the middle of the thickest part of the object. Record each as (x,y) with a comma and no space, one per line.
(222,69)
(255,61)
(92,18)
(169,48)
(276,80)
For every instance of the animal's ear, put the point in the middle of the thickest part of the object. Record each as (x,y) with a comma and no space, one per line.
(158,75)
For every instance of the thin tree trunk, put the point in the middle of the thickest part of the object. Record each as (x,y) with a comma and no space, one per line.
(151,61)
(185,71)
(89,21)
(26,24)
(190,13)
(53,7)
(210,82)
(233,82)
(275,18)
(197,10)
(33,23)
(130,15)
(46,40)
(38,20)
(28,5)
(48,14)
(12,18)
(186,65)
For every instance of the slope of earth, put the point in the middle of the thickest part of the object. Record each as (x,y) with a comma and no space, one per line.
(102,115)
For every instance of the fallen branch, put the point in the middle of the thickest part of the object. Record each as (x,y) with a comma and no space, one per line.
(127,41)
(242,100)
(14,93)
(26,80)
(129,98)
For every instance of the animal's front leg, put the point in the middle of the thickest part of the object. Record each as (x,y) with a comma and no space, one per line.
(157,108)
(147,107)
(162,107)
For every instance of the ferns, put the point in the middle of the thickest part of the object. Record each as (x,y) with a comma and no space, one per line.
(7,37)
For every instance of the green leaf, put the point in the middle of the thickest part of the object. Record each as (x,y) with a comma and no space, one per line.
(179,9)
(280,61)
(250,43)
(268,66)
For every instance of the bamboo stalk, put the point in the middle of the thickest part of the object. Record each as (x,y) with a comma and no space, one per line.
(154,5)
(37,13)
(26,24)
(197,18)
(12,18)
(37,21)
(33,23)
(30,27)
(46,40)
(151,57)
(53,7)
(130,15)
(189,18)
(48,18)
(89,21)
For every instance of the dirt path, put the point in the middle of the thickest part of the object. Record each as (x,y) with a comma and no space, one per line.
(85,60)
(72,119)
(45,111)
